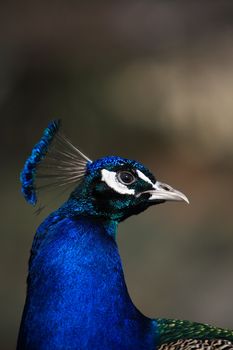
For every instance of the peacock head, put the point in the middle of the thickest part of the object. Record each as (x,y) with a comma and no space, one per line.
(116,188)
(112,187)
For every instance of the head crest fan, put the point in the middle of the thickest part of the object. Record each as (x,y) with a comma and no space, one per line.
(55,161)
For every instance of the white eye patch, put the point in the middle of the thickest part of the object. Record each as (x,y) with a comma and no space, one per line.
(110,178)
(145,178)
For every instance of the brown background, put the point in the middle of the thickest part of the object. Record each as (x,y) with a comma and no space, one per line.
(150,80)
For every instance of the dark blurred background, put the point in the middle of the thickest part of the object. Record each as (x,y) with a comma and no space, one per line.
(151,80)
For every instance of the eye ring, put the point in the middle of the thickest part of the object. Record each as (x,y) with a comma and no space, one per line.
(126,177)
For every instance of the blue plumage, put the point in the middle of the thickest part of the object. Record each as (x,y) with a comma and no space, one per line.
(27,176)
(77,297)
(115,162)
(76,293)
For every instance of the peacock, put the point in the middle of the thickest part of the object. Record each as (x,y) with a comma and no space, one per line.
(77,297)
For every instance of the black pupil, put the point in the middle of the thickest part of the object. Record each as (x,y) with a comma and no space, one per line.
(126,177)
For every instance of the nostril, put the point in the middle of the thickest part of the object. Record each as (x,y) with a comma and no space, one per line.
(164,187)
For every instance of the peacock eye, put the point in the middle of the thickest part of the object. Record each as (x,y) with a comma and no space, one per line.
(125,177)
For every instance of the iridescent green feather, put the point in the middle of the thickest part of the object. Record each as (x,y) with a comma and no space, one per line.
(198,344)
(170,330)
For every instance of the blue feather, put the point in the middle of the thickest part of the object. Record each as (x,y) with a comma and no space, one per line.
(28,174)
(75,284)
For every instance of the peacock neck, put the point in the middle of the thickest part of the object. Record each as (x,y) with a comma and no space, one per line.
(110,227)
(77,292)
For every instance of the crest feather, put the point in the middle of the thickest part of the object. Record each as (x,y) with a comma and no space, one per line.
(54,163)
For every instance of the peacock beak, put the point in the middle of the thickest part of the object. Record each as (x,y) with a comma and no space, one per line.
(165,192)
